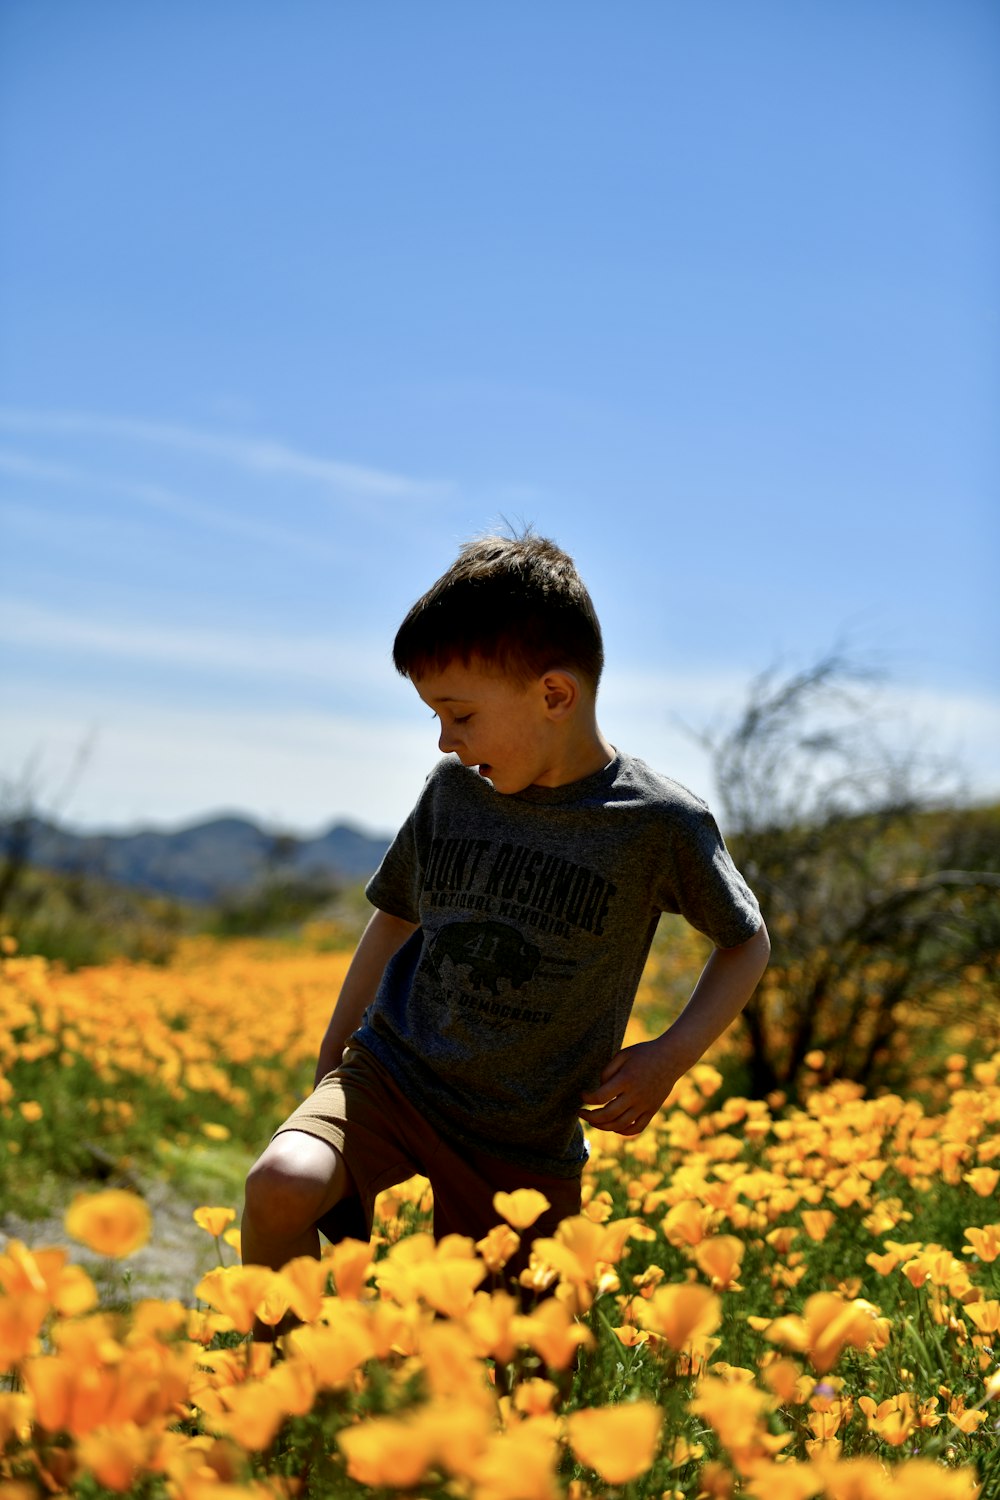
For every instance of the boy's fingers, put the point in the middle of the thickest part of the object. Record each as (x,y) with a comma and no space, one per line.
(602,1095)
(611,1069)
(614,1109)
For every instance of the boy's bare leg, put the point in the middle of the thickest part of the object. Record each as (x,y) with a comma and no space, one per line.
(294,1182)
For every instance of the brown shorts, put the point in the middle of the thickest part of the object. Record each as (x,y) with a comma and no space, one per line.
(361,1111)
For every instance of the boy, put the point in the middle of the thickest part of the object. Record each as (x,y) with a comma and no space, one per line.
(483,1012)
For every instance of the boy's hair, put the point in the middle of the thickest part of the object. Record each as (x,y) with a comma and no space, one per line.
(515,603)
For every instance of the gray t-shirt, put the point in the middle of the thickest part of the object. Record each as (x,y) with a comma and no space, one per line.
(536,913)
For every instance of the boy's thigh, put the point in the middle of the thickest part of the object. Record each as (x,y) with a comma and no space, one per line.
(354,1110)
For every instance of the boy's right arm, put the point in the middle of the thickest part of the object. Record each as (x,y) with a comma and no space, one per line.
(383,937)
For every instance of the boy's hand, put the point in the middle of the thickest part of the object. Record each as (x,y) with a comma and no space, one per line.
(635,1083)
(633,1087)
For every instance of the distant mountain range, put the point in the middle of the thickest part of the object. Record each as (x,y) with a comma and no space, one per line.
(204,862)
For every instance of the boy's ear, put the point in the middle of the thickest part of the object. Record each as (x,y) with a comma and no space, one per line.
(562,693)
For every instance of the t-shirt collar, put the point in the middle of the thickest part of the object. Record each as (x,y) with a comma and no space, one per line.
(572,791)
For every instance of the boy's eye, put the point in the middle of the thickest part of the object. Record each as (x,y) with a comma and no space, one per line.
(456,719)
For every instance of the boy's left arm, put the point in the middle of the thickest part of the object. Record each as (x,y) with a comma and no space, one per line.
(637,1080)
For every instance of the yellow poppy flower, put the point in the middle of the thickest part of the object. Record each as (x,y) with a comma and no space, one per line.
(982,1180)
(350,1264)
(386,1452)
(985,1242)
(522,1207)
(113,1222)
(213,1220)
(618,1441)
(720,1258)
(237,1292)
(519,1464)
(497,1247)
(681,1314)
(115,1455)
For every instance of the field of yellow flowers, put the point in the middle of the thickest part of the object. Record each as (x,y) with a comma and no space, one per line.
(757,1300)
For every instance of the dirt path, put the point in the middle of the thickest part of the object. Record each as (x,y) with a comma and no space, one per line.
(177,1256)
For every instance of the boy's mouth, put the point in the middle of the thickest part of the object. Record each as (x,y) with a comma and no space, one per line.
(484,768)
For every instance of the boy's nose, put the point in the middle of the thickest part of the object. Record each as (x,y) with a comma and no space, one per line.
(446,741)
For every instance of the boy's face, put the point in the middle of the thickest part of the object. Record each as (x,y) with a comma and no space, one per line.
(504,727)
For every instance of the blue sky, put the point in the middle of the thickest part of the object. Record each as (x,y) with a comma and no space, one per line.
(297,297)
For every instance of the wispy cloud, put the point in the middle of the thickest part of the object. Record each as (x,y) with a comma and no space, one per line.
(326,659)
(257,455)
(165,501)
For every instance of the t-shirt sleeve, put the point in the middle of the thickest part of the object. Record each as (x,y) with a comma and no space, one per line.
(395,886)
(703,885)
(397,883)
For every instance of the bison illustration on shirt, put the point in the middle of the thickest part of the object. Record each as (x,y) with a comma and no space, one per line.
(491,951)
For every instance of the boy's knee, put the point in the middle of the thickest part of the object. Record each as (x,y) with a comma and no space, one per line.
(294,1182)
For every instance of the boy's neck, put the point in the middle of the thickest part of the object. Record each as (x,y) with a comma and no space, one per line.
(586,752)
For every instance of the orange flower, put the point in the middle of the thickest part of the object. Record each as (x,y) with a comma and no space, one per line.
(490,1321)
(985,1315)
(49,1382)
(782,1377)
(458,1431)
(630,1336)
(828,1326)
(984,1242)
(254,1414)
(720,1258)
(333,1353)
(817,1222)
(687,1223)
(21,1317)
(303,1285)
(926,1479)
(535,1397)
(214,1220)
(350,1266)
(237,1292)
(15,1420)
(618,1441)
(883,1264)
(115,1455)
(552,1332)
(498,1246)
(782,1239)
(892,1420)
(964,1420)
(583,1252)
(786,1481)
(681,1313)
(450,1360)
(444,1275)
(113,1222)
(738,1413)
(386,1452)
(982,1180)
(522,1207)
(519,1465)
